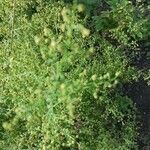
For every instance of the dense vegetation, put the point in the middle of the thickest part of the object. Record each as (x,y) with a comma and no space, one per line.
(62,68)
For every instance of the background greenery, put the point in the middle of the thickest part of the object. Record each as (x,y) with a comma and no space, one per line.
(63,66)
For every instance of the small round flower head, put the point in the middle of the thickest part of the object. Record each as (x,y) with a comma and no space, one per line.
(64,14)
(37,40)
(64,11)
(53,44)
(93,77)
(85,32)
(46,41)
(62,86)
(91,50)
(80,8)
(115,82)
(84,72)
(62,27)
(107,75)
(95,95)
(46,31)
(7,126)
(117,73)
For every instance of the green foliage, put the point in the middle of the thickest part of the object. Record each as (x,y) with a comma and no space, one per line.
(147,77)
(123,23)
(89,2)
(61,81)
